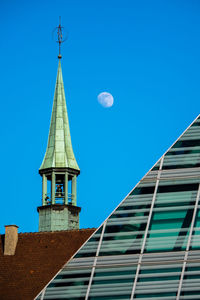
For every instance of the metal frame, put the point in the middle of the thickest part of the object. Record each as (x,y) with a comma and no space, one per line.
(147,228)
(188,244)
(42,295)
(95,261)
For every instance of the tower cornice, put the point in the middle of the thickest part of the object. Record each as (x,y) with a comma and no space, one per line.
(59,170)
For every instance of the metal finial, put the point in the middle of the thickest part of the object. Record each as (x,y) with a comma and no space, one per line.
(60,37)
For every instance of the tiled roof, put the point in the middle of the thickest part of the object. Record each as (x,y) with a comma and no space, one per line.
(38,257)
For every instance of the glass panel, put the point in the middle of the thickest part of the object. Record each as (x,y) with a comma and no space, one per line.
(181,152)
(171,218)
(143,190)
(69,284)
(156,167)
(90,248)
(125,228)
(182,144)
(195,124)
(195,240)
(112,283)
(158,281)
(185,153)
(191,281)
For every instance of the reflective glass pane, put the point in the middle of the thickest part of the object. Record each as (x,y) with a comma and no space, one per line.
(171,218)
(195,240)
(112,283)
(90,248)
(125,228)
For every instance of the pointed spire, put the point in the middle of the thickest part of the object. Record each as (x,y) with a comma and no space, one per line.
(59,153)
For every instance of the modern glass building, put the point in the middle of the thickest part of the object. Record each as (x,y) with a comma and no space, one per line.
(149,247)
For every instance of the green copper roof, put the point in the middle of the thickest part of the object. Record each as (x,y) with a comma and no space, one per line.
(59,151)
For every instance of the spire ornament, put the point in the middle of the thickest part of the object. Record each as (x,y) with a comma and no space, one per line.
(60,38)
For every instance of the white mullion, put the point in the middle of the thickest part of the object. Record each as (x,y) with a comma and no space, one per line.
(95,261)
(42,295)
(147,228)
(188,244)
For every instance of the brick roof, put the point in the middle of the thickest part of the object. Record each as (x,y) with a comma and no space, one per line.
(38,257)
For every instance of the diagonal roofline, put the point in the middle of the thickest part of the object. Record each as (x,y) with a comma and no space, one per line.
(121,203)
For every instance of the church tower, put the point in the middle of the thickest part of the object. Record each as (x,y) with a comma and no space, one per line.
(59,169)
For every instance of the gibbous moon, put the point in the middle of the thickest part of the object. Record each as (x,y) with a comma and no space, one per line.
(105,99)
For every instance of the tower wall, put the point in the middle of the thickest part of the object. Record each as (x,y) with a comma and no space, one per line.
(58,217)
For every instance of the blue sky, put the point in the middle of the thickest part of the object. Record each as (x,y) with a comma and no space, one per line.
(145,53)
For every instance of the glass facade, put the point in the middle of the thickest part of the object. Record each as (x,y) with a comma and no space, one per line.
(149,248)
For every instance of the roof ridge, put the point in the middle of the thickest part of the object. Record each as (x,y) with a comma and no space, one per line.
(57,231)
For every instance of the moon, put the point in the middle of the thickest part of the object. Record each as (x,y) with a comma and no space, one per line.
(105,99)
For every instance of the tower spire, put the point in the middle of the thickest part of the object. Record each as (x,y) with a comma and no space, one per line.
(59,152)
(59,169)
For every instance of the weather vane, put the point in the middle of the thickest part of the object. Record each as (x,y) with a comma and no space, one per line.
(60,38)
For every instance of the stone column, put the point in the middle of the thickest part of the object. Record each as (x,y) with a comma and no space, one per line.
(44,189)
(53,185)
(66,188)
(74,190)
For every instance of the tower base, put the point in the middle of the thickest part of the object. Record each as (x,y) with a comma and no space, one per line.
(56,217)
